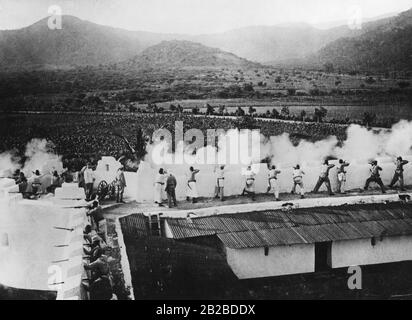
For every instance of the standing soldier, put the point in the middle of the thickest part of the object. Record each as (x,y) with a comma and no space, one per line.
(273,183)
(250,183)
(375,176)
(298,181)
(399,173)
(120,185)
(191,185)
(170,189)
(342,176)
(159,187)
(324,177)
(220,182)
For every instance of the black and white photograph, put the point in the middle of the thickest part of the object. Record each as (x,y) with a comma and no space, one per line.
(218,152)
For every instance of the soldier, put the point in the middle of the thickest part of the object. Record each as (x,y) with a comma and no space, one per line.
(399,173)
(342,176)
(159,187)
(273,183)
(120,185)
(298,181)
(250,183)
(220,182)
(170,189)
(324,178)
(191,185)
(375,176)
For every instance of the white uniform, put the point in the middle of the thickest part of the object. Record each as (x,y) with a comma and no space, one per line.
(273,182)
(191,185)
(159,188)
(250,181)
(298,181)
(220,178)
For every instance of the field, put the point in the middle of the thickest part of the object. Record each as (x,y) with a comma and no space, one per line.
(335,111)
(113,90)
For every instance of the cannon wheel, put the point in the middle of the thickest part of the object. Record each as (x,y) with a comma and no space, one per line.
(102,189)
(112,191)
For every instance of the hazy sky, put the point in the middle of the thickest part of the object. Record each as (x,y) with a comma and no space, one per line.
(196,16)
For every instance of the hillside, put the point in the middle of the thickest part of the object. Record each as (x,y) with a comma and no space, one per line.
(185,54)
(385,46)
(78,43)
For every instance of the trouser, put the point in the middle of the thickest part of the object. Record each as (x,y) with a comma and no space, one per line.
(171,197)
(219,189)
(88,190)
(301,187)
(377,180)
(341,183)
(321,181)
(398,177)
(119,193)
(274,185)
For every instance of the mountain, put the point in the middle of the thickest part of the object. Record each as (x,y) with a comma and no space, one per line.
(78,43)
(385,45)
(185,54)
(274,44)
(384,42)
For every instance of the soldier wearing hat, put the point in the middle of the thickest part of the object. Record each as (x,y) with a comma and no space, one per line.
(375,176)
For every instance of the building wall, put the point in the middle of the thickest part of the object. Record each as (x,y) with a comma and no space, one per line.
(286,260)
(361,252)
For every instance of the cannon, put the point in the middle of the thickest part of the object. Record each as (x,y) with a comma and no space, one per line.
(106,191)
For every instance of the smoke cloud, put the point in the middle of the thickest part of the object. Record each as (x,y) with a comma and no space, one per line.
(39,155)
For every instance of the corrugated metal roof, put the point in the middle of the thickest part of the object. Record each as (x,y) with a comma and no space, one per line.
(300,226)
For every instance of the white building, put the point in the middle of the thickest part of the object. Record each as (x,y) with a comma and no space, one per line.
(277,243)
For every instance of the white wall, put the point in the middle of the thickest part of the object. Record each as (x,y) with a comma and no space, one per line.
(285,260)
(235,181)
(361,252)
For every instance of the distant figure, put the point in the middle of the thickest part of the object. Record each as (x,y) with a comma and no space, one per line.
(55,182)
(22,183)
(89,178)
(120,185)
(398,176)
(171,184)
(273,183)
(342,176)
(191,185)
(324,177)
(159,187)
(220,182)
(298,181)
(36,183)
(375,176)
(250,183)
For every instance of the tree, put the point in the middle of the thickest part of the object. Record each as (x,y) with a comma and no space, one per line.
(195,110)
(285,112)
(252,110)
(403,84)
(240,112)
(291,91)
(210,110)
(303,115)
(320,114)
(222,109)
(275,113)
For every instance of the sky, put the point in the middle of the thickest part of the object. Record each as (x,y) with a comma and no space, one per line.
(198,16)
